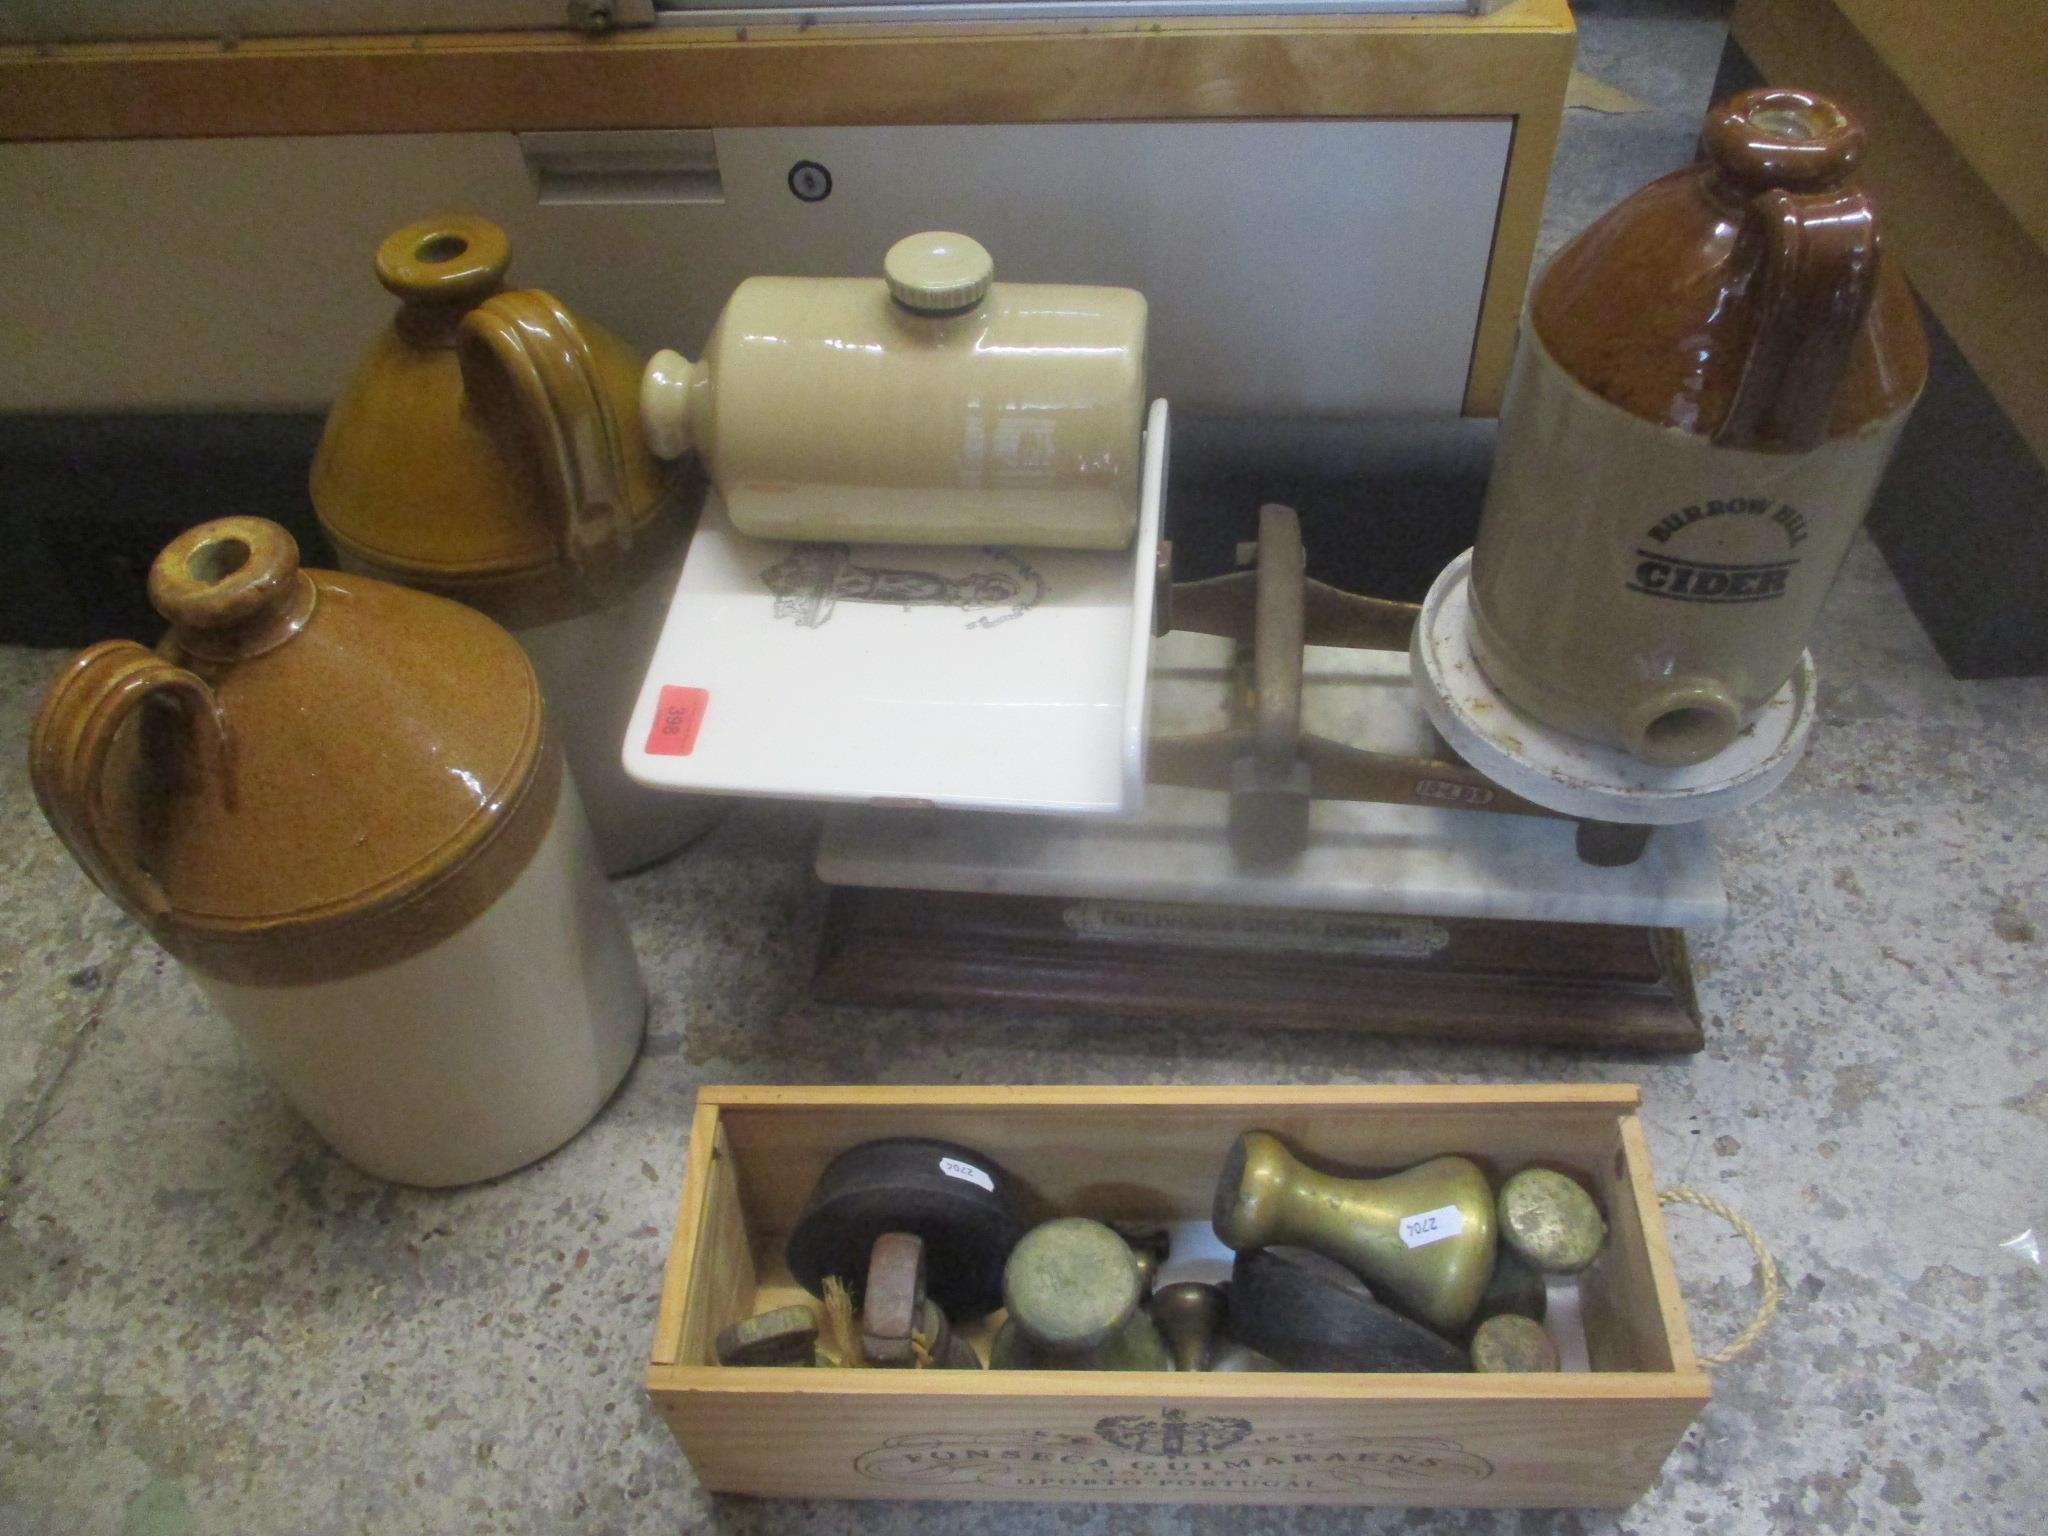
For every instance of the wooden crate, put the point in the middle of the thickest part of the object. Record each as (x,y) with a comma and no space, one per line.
(1593,1439)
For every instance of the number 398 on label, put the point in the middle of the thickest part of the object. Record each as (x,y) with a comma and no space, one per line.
(678,715)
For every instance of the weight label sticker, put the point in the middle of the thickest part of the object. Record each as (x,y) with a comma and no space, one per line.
(953,1168)
(1432,1226)
(677,716)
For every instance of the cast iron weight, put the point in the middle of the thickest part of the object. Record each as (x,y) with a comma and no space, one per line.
(948,1351)
(962,1206)
(784,1336)
(896,1315)
(893,1300)
(1312,1314)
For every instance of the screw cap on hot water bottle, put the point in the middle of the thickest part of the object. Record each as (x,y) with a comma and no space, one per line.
(938,273)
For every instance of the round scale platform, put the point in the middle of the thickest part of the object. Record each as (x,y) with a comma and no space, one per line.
(1582,778)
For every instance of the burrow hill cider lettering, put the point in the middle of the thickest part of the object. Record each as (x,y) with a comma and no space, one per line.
(1709,383)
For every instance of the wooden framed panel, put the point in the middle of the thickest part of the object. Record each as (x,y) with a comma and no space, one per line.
(1510,64)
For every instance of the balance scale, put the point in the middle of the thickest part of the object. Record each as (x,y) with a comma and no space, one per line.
(1067,783)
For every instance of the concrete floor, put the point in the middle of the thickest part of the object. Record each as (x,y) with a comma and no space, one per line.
(209,1324)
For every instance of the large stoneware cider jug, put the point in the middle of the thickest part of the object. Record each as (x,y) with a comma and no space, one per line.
(341,807)
(1709,383)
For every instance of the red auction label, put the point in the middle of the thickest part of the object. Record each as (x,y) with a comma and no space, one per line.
(676,719)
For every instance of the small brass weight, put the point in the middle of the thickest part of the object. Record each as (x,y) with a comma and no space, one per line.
(1073,1291)
(1424,1238)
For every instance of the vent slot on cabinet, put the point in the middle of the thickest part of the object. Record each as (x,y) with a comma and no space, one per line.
(655,166)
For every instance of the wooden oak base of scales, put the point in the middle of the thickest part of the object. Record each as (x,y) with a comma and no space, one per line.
(1309,854)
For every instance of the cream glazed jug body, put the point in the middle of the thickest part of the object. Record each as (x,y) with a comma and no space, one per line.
(1710,381)
(341,807)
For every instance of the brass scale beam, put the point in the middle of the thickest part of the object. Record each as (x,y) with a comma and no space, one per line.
(1271,769)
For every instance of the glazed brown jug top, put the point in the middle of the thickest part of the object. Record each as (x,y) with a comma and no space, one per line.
(312,775)
(1742,299)
(489,446)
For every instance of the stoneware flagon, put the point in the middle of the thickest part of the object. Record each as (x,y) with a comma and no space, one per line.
(341,806)
(1709,383)
(488,449)
(932,405)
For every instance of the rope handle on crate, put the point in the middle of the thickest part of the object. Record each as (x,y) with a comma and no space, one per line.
(1769,1284)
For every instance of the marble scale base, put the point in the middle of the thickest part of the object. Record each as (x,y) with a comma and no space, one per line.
(1397,919)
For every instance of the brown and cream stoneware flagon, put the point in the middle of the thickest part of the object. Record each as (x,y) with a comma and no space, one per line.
(341,806)
(489,450)
(1710,381)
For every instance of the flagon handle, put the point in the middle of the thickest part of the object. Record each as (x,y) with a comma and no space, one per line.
(526,346)
(1817,278)
(71,744)
(1792,155)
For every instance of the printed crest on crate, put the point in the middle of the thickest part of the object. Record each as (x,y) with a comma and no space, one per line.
(1174,1451)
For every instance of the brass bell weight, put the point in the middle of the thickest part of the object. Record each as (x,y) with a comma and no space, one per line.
(1424,1239)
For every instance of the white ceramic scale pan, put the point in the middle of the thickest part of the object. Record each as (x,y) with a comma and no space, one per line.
(967,677)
